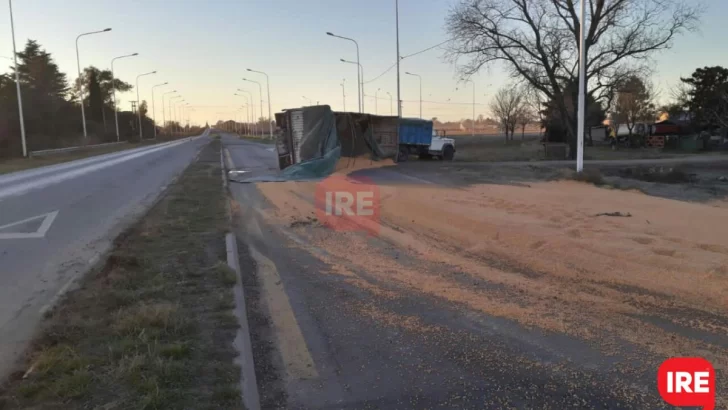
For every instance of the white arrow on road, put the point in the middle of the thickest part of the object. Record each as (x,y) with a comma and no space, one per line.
(39,233)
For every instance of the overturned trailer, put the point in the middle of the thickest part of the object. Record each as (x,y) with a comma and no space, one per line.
(316,138)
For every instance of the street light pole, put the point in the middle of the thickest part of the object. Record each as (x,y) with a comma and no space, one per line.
(343,91)
(376,101)
(260,94)
(252,110)
(309,100)
(180,114)
(176,113)
(171,114)
(360,85)
(246,128)
(390,102)
(164,117)
(582,91)
(473,127)
(113,90)
(359,71)
(247,116)
(399,96)
(80,83)
(154,110)
(267,85)
(17,83)
(420,77)
(139,102)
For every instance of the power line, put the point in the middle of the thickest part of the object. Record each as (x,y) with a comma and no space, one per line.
(427,49)
(385,72)
(402,58)
(426,101)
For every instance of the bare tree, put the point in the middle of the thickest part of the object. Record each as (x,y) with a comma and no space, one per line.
(506,106)
(524,117)
(537,40)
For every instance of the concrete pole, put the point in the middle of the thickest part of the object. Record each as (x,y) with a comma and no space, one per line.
(17,84)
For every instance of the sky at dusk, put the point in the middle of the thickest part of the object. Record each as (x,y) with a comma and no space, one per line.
(202,49)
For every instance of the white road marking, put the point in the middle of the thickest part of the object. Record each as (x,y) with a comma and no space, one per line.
(44,181)
(39,233)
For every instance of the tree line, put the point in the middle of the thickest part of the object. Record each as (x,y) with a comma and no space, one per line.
(538,43)
(51,106)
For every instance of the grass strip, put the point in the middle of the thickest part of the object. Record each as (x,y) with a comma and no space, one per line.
(153,328)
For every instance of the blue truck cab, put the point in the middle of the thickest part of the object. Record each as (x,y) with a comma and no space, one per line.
(418,137)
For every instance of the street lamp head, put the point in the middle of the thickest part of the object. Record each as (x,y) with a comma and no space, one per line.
(108,29)
(329,33)
(249,69)
(342,60)
(154,72)
(245,79)
(135,54)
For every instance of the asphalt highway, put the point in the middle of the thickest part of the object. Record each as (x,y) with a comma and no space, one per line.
(56,221)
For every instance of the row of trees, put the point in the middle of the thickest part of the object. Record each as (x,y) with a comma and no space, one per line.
(700,104)
(51,106)
(515,107)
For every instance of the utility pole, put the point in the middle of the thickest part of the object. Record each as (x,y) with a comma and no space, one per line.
(343,91)
(399,96)
(582,92)
(17,83)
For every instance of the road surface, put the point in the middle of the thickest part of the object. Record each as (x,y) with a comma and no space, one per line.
(55,221)
(338,345)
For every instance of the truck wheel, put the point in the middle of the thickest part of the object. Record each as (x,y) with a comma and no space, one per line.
(403,154)
(448,153)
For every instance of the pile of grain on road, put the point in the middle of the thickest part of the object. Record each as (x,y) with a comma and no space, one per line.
(346,165)
(562,256)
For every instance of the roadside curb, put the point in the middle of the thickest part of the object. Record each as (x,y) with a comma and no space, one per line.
(248,380)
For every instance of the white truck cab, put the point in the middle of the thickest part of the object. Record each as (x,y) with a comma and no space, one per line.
(442,147)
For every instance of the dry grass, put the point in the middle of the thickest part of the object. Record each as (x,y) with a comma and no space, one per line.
(496,149)
(152,329)
(258,139)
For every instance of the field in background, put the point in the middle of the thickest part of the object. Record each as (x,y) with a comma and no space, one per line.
(494,148)
(488,131)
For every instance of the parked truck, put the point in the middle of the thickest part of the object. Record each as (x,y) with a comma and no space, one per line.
(418,137)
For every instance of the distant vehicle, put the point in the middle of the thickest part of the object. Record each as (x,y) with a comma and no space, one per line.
(418,137)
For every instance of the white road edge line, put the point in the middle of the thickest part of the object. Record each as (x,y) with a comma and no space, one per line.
(25,186)
(248,382)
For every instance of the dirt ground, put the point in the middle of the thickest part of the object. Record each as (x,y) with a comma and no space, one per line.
(614,267)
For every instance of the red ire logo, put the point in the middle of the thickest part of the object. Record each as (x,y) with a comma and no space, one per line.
(687,381)
(348,204)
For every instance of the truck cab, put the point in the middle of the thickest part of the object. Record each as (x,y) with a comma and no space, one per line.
(442,147)
(418,137)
